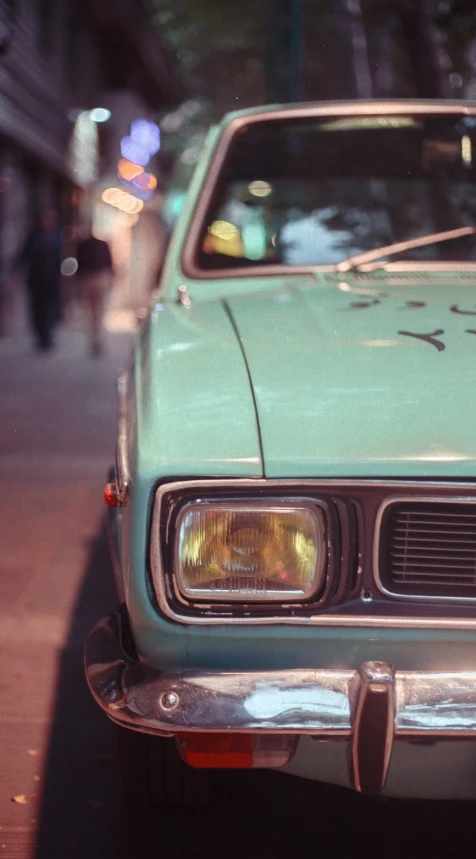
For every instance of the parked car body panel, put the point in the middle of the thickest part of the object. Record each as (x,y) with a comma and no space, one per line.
(161,642)
(195,411)
(438,770)
(304,375)
(345,385)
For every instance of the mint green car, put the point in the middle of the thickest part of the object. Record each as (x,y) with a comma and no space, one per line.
(294,503)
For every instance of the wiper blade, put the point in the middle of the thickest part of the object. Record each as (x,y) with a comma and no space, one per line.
(357,260)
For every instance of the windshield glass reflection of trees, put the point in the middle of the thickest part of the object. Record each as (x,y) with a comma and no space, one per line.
(308,193)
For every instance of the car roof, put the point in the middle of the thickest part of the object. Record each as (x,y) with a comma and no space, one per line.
(301,110)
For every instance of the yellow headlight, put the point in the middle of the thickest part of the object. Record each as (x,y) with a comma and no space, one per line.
(250,552)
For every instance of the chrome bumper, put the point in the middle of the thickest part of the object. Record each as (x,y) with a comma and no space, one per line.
(372,706)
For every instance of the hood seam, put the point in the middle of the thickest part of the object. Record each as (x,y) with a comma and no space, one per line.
(229,313)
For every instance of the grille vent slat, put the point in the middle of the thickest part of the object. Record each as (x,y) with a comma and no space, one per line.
(429,549)
(434,516)
(459,584)
(454,543)
(411,528)
(448,567)
(435,553)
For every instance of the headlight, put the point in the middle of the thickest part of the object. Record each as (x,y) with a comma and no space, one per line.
(250,552)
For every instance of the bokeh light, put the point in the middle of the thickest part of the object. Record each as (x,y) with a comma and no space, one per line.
(128,170)
(100,114)
(69,266)
(147,134)
(145,181)
(142,142)
(260,188)
(224,230)
(122,200)
(134,152)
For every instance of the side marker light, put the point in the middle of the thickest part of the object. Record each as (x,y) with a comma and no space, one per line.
(111,495)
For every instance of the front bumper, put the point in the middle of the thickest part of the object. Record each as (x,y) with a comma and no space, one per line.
(371,707)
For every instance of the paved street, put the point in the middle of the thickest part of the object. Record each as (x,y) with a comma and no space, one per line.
(57,438)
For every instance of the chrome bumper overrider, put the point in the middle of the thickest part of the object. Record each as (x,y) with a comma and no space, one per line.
(372,706)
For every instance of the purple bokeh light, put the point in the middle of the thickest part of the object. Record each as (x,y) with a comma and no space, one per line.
(134,151)
(146,134)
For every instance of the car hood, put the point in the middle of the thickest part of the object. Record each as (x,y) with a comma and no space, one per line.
(195,410)
(363,382)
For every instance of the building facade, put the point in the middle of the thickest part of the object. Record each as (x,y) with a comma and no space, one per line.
(59,59)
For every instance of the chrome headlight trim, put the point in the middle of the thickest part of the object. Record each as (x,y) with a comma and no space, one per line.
(317,513)
(387,620)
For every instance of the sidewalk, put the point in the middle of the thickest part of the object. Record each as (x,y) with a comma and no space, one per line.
(57,439)
(118,319)
(58,408)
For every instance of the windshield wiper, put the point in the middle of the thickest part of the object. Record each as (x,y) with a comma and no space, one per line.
(354,262)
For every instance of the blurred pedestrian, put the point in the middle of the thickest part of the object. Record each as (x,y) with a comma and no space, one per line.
(95,274)
(41,258)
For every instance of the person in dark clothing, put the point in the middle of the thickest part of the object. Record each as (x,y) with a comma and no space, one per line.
(95,275)
(42,259)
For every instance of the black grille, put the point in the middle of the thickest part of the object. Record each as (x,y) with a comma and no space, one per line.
(429,549)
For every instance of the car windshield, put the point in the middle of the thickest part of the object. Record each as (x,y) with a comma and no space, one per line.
(311,193)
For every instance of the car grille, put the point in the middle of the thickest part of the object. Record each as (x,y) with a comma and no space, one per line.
(429,549)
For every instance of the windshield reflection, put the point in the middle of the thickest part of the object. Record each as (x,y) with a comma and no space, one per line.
(310,193)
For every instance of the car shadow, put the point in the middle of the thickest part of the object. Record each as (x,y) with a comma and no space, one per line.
(80,802)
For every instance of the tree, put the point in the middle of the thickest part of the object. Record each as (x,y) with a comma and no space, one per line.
(237,54)
(421,47)
(219,47)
